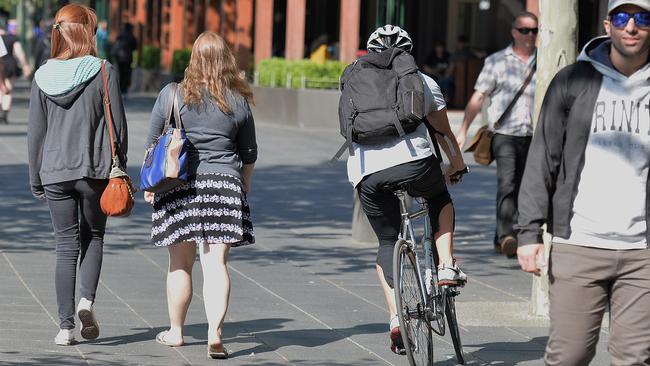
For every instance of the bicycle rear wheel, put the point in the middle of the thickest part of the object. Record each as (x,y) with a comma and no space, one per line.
(454,331)
(414,328)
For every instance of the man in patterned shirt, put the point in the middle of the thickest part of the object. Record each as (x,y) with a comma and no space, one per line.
(503,74)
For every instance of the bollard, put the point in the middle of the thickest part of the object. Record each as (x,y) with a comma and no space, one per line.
(256,78)
(288,81)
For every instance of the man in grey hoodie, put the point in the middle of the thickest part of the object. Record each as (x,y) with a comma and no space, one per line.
(587,178)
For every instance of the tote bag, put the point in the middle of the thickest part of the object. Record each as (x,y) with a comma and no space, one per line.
(165,163)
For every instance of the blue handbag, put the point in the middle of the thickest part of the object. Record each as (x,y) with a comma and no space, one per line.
(165,163)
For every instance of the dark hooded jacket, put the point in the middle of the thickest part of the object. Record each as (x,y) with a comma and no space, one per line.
(68,137)
(557,154)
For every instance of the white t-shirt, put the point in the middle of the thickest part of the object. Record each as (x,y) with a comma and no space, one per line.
(370,159)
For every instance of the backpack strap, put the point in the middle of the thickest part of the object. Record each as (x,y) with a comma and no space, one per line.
(348,137)
(433,132)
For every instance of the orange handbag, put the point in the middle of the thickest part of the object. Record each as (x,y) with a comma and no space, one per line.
(118,196)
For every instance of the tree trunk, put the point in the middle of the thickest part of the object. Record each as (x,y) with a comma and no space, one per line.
(558,47)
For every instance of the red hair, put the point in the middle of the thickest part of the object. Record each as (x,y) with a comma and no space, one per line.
(73,33)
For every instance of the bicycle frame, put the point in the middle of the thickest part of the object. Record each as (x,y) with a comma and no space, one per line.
(428,289)
(438,300)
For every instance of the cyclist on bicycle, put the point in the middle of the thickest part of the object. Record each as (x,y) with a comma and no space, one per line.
(376,171)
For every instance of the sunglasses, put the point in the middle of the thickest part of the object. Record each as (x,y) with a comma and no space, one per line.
(620,19)
(525,31)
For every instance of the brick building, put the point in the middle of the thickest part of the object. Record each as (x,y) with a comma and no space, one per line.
(258,29)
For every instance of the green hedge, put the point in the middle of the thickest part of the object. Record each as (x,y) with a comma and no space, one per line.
(150,58)
(317,75)
(180,60)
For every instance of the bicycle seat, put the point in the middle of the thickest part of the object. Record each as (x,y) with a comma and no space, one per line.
(403,188)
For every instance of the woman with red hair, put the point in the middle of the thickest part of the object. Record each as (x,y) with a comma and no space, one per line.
(70,158)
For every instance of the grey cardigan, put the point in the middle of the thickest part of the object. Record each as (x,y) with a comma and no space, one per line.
(67,136)
(218,142)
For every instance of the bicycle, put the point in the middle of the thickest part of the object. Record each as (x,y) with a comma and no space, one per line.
(422,305)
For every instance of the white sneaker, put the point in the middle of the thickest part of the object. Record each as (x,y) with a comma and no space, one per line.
(86,314)
(451,276)
(65,337)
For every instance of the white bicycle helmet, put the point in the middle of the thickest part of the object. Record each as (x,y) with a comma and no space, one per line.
(389,36)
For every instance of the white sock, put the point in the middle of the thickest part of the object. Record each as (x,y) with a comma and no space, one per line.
(394,322)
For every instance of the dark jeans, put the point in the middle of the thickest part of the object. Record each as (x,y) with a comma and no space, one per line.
(79,227)
(510,154)
(381,205)
(125,76)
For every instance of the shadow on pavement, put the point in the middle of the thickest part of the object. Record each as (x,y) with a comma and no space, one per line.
(292,198)
(511,353)
(266,334)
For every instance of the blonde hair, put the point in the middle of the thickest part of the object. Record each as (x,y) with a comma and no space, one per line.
(73,32)
(213,64)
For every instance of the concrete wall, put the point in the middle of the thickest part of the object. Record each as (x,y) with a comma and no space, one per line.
(304,108)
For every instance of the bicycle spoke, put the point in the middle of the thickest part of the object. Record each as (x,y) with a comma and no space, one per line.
(412,310)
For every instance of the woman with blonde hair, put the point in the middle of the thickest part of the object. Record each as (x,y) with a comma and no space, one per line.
(70,158)
(210,210)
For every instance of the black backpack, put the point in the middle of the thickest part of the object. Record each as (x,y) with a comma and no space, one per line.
(382,96)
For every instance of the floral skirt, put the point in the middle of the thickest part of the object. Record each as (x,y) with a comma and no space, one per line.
(208,209)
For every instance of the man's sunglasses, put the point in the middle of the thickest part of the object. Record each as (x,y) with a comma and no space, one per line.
(620,19)
(525,31)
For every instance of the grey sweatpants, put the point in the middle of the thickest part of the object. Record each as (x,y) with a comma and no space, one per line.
(584,283)
(79,227)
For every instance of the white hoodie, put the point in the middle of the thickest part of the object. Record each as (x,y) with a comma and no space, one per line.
(609,209)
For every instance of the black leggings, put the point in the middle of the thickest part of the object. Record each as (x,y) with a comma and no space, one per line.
(79,227)
(423,178)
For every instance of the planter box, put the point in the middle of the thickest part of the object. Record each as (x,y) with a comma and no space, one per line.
(166,78)
(145,80)
(302,108)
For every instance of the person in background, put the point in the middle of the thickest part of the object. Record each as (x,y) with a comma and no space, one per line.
(70,160)
(10,65)
(3,51)
(437,66)
(502,76)
(122,54)
(103,41)
(318,50)
(211,209)
(43,46)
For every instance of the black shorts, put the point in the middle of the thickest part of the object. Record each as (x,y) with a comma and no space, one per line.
(421,178)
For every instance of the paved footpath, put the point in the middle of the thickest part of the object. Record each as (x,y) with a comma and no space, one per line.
(305,294)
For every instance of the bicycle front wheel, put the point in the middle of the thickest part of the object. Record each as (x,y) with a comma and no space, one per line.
(411,307)
(454,331)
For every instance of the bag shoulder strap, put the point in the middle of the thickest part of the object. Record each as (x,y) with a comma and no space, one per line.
(107,112)
(529,77)
(177,114)
(169,107)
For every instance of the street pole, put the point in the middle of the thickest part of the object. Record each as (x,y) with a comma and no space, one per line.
(558,47)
